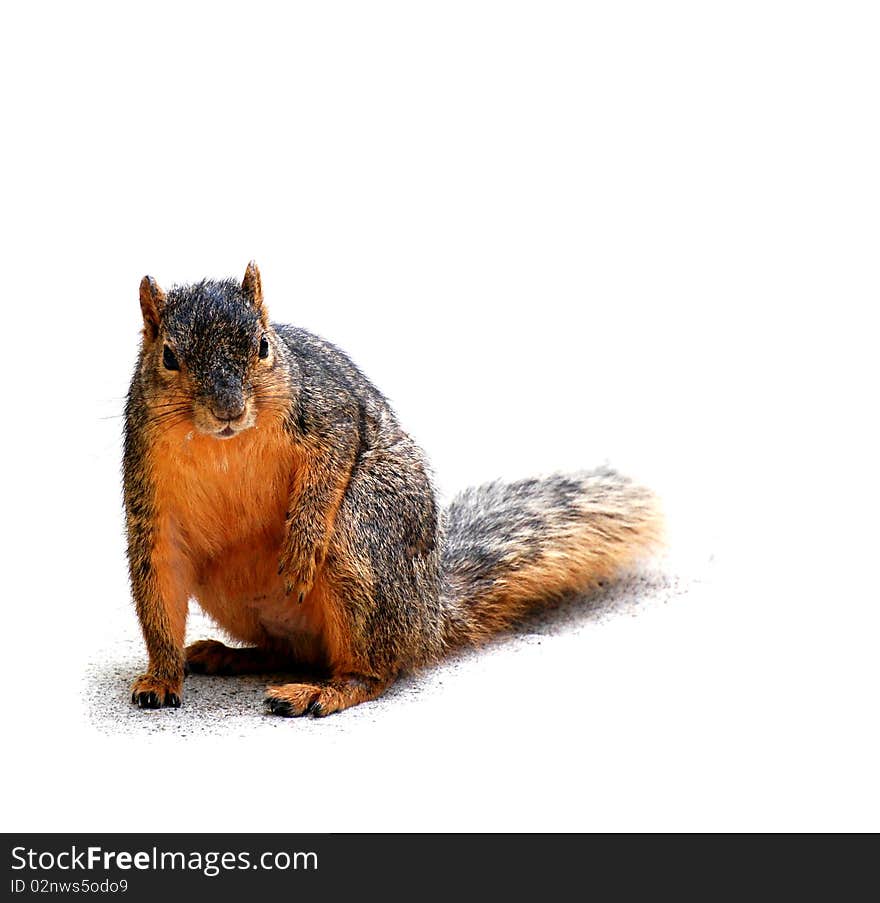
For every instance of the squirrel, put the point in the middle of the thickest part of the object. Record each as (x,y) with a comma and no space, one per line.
(266,477)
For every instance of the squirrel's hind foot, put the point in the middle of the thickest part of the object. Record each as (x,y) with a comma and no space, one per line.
(296,700)
(213,657)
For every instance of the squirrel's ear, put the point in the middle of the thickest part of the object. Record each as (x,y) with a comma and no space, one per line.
(252,286)
(152,303)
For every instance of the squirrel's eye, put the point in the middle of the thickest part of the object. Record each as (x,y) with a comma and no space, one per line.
(264,347)
(169,360)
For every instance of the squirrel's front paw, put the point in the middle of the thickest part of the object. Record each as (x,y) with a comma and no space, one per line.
(299,573)
(151,692)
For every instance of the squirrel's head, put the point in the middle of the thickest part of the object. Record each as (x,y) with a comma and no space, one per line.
(209,354)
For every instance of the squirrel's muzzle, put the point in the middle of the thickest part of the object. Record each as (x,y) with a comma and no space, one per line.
(227,406)
(226,397)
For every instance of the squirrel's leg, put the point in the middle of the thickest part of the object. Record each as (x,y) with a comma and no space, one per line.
(293,700)
(379,591)
(316,493)
(213,657)
(161,600)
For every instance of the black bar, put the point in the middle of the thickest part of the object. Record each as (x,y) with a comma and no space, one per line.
(135,867)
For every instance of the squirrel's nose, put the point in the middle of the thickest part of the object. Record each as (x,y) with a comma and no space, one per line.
(227,408)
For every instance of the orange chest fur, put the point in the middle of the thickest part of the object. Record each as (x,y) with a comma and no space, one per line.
(223,499)
(222,507)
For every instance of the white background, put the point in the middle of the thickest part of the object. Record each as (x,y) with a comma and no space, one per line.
(554,234)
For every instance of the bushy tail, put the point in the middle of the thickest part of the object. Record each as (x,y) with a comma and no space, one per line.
(511,547)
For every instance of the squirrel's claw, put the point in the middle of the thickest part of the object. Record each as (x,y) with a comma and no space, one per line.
(150,700)
(288,589)
(299,580)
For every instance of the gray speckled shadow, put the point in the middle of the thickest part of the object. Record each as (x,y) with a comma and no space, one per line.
(234,705)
